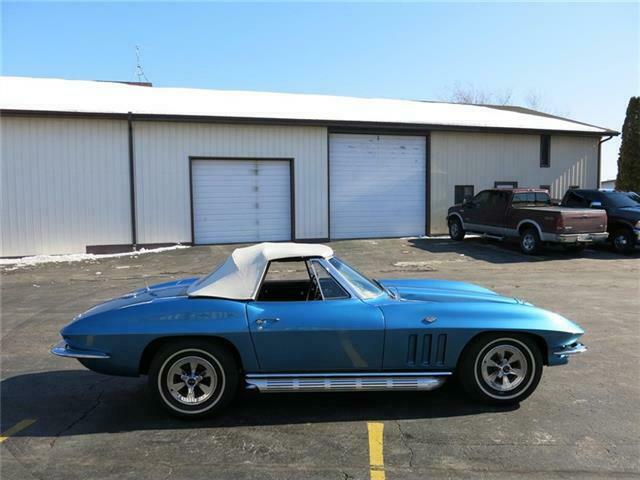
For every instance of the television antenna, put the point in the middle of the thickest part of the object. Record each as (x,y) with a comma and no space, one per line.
(140,75)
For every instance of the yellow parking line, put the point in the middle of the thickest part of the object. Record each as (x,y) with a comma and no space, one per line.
(16,428)
(376,459)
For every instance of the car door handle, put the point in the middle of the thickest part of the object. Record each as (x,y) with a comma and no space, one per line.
(263,321)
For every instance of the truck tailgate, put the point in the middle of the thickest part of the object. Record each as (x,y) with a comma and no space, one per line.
(584,220)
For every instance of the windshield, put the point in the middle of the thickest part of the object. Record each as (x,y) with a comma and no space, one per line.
(621,199)
(365,287)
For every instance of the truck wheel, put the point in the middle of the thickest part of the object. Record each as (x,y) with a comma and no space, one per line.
(530,241)
(193,378)
(501,369)
(622,241)
(456,232)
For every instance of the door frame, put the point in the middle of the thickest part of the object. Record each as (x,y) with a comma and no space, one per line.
(292,189)
(376,131)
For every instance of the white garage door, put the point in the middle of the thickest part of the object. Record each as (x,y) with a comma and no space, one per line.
(241,201)
(377,185)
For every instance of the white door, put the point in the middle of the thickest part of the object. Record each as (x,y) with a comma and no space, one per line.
(241,201)
(377,185)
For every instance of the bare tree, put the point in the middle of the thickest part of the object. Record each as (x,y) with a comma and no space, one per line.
(469,94)
(472,95)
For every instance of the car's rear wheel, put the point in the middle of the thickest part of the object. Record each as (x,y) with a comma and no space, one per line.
(530,241)
(501,369)
(193,378)
(456,231)
(622,240)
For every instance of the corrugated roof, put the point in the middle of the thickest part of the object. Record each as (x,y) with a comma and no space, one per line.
(97,97)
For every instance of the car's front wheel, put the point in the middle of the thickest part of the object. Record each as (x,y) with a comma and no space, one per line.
(456,231)
(193,378)
(501,369)
(623,240)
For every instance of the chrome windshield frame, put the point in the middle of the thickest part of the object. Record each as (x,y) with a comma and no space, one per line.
(344,282)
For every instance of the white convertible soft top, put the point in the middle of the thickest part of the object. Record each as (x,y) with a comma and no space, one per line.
(239,277)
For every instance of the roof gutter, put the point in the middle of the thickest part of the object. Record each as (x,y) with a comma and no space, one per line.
(333,124)
(132,182)
(600,142)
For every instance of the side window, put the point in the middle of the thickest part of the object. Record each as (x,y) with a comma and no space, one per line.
(329,286)
(507,185)
(545,151)
(482,198)
(463,192)
(498,200)
(286,281)
(575,200)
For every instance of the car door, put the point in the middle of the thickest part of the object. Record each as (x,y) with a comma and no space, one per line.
(475,212)
(334,332)
(495,211)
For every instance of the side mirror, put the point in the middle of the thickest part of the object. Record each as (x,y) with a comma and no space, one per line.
(595,205)
(468,203)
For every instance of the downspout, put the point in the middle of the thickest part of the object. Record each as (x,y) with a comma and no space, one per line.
(600,156)
(132,184)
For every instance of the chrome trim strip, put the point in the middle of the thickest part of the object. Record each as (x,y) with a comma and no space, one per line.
(574,349)
(349,383)
(343,374)
(62,349)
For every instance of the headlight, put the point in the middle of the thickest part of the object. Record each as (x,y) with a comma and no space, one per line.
(637,224)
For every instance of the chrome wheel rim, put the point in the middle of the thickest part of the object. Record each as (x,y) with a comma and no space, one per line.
(454,229)
(528,242)
(504,368)
(191,380)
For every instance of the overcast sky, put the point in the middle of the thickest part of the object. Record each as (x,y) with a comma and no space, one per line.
(579,60)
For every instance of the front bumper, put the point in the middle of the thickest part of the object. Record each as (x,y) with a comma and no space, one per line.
(63,349)
(576,237)
(573,349)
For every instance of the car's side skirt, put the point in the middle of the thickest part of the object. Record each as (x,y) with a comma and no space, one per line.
(344,382)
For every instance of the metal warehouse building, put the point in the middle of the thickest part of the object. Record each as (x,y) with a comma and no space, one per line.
(98,166)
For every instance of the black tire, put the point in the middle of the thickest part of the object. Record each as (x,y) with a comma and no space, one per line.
(530,241)
(474,368)
(622,241)
(215,388)
(456,231)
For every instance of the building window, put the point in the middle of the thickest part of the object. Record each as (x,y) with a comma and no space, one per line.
(506,185)
(463,192)
(545,151)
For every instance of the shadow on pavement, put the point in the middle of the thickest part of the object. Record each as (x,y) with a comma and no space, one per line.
(502,252)
(79,402)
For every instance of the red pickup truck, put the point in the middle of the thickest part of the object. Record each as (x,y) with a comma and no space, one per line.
(526,214)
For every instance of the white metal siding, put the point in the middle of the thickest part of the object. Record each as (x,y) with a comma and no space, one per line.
(65,185)
(259,191)
(162,151)
(480,159)
(377,185)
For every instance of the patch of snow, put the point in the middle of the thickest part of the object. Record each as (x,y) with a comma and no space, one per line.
(78,257)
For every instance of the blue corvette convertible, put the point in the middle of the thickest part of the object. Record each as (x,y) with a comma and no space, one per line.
(285,317)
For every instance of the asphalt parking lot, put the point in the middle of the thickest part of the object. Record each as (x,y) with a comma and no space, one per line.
(583,421)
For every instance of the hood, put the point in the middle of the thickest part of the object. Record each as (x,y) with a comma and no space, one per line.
(445,291)
(628,213)
(177,288)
